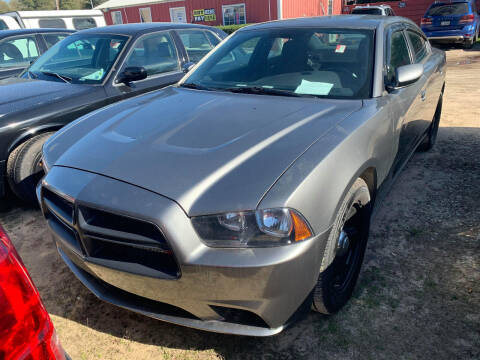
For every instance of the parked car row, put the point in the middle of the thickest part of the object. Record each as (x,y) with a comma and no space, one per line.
(239,197)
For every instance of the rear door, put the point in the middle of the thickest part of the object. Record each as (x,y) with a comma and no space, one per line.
(158,54)
(447,16)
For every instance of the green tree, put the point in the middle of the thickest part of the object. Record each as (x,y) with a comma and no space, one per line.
(13,5)
(36,5)
(4,6)
(69,4)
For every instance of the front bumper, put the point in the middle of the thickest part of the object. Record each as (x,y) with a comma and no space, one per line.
(252,292)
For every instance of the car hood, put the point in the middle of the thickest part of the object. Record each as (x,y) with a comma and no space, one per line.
(209,151)
(18,94)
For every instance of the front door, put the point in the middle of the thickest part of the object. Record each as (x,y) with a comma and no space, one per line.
(157,53)
(406,103)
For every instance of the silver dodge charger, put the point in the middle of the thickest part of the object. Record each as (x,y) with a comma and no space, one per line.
(240,198)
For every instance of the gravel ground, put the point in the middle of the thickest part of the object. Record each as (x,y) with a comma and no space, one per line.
(418,295)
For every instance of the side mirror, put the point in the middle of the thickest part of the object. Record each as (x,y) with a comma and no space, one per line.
(132,73)
(188,66)
(406,75)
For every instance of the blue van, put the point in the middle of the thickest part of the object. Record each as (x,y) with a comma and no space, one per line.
(454,21)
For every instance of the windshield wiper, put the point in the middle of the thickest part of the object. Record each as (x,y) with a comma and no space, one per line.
(264,91)
(196,86)
(67,79)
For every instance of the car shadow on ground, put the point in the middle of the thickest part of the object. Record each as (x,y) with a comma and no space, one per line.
(450,47)
(417,287)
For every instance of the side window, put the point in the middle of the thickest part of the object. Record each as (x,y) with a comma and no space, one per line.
(156,53)
(84,23)
(213,39)
(80,49)
(196,44)
(18,52)
(52,39)
(238,57)
(52,23)
(277,47)
(3,26)
(419,46)
(398,56)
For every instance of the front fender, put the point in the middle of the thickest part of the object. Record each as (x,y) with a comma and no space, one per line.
(317,182)
(29,133)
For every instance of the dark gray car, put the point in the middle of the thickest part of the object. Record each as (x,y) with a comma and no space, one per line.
(241,198)
(86,71)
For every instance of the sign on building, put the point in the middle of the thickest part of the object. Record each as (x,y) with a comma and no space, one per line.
(204,15)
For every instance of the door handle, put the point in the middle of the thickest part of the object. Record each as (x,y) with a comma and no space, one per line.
(423,95)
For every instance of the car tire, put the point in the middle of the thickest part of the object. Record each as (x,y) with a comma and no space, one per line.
(24,168)
(431,137)
(341,264)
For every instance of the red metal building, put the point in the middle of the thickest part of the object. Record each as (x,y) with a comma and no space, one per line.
(215,12)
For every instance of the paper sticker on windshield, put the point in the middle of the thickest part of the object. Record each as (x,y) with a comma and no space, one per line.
(97,75)
(340,49)
(314,88)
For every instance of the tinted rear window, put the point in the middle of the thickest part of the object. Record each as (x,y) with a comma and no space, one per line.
(3,26)
(448,9)
(52,23)
(84,23)
(367,11)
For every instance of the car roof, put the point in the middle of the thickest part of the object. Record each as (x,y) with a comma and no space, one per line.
(134,29)
(8,33)
(337,21)
(372,6)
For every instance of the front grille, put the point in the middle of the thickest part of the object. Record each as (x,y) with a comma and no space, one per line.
(116,241)
(59,206)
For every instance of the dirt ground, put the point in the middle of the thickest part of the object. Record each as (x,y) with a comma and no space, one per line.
(418,296)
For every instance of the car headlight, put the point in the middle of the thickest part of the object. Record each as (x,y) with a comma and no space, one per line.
(261,228)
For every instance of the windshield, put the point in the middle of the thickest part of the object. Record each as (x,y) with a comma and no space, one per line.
(374,11)
(448,9)
(332,63)
(79,59)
